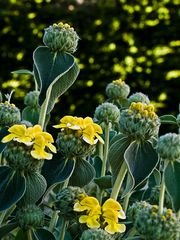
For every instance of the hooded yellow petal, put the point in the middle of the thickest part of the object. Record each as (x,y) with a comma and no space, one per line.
(18,129)
(8,138)
(111,204)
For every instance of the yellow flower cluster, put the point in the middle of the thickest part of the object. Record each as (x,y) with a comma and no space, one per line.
(96,216)
(119,82)
(7,103)
(142,110)
(85,128)
(32,136)
(62,25)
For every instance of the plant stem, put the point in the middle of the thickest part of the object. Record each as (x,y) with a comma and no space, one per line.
(106,147)
(119,180)
(126,201)
(53,221)
(29,236)
(100,150)
(63,229)
(43,112)
(162,191)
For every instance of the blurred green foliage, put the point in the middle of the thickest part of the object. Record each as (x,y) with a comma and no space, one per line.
(133,40)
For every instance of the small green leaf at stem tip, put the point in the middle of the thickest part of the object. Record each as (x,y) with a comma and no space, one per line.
(168,119)
(22,71)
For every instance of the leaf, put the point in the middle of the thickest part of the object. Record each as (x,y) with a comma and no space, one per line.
(83,173)
(22,71)
(3,133)
(35,187)
(168,119)
(7,229)
(129,185)
(31,114)
(97,163)
(57,170)
(104,182)
(56,72)
(172,182)
(12,187)
(116,153)
(42,234)
(141,159)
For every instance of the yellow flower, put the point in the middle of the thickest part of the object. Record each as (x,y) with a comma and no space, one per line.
(18,133)
(32,136)
(86,128)
(92,209)
(111,211)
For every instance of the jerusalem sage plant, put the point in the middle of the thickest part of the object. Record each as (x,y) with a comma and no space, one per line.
(107,177)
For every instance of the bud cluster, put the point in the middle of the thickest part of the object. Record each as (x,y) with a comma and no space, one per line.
(117,89)
(31,99)
(95,234)
(138,97)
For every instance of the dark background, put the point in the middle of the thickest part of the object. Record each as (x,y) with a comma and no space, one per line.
(133,40)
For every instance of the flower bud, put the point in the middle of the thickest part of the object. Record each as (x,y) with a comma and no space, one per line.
(138,97)
(150,224)
(139,121)
(9,114)
(95,234)
(18,157)
(117,89)
(66,199)
(107,113)
(71,145)
(31,99)
(29,217)
(61,37)
(168,147)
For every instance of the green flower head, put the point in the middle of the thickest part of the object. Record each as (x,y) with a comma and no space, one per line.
(95,234)
(138,97)
(117,89)
(31,99)
(168,147)
(61,38)
(139,121)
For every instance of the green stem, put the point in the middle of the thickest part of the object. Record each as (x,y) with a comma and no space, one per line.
(53,221)
(106,147)
(162,191)
(126,201)
(100,150)
(29,236)
(63,229)
(43,112)
(119,180)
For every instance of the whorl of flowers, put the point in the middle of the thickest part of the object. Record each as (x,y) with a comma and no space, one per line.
(139,121)
(83,128)
(138,97)
(61,37)
(105,216)
(34,137)
(168,147)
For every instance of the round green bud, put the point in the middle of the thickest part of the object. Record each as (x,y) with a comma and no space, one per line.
(139,121)
(168,147)
(66,199)
(31,99)
(150,224)
(138,97)
(9,114)
(94,234)
(30,217)
(117,89)
(107,113)
(72,146)
(18,156)
(61,37)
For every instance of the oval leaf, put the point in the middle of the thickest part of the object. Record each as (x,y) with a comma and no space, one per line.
(57,170)
(50,70)
(12,187)
(141,159)
(83,173)
(35,187)
(116,153)
(172,182)
(104,182)
(168,119)
(42,234)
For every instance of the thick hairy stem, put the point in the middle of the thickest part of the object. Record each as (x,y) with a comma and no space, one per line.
(106,147)
(29,235)
(63,229)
